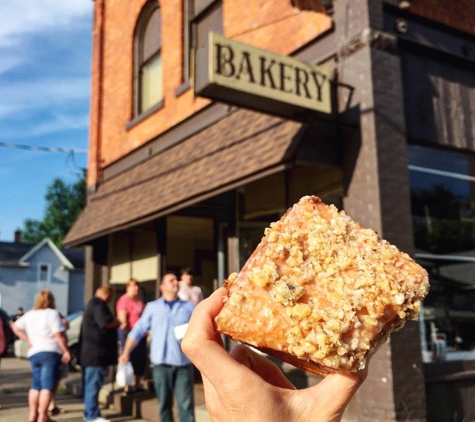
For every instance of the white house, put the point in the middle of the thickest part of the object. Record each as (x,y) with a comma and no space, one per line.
(27,269)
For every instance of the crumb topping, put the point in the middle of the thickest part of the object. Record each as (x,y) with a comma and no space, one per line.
(339,283)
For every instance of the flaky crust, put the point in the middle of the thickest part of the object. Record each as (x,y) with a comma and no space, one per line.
(321,292)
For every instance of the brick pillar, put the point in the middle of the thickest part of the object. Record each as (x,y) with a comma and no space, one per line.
(161,228)
(377,191)
(96,270)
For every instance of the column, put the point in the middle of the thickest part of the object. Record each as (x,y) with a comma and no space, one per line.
(377,191)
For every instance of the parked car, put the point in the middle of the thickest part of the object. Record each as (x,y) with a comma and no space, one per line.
(7,329)
(72,334)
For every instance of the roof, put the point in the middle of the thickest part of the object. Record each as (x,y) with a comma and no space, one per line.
(16,253)
(75,256)
(240,145)
(64,261)
(11,252)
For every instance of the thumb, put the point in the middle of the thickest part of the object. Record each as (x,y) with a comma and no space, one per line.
(332,394)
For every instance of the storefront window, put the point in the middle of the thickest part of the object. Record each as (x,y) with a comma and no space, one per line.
(250,234)
(443,202)
(266,200)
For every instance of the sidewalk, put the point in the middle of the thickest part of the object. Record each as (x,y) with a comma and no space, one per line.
(15,381)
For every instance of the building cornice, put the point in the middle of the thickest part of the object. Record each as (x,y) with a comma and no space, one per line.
(313,5)
(369,38)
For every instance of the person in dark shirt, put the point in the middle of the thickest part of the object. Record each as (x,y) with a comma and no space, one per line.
(98,340)
(19,313)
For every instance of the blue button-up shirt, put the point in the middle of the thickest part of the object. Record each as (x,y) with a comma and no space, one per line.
(161,320)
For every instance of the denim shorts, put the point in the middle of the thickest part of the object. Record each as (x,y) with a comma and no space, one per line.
(45,370)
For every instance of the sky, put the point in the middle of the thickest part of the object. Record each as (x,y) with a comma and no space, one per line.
(45,72)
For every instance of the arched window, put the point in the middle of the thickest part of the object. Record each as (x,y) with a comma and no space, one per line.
(148,60)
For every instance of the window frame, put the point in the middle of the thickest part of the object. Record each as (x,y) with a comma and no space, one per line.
(48,272)
(193,12)
(138,115)
(450,352)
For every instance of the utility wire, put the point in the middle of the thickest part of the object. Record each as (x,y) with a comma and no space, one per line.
(69,151)
(43,149)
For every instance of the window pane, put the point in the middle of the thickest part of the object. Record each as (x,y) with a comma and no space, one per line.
(211,22)
(152,36)
(151,86)
(442,204)
(43,273)
(443,201)
(436,159)
(449,308)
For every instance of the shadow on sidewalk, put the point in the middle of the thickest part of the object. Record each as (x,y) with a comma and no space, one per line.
(15,381)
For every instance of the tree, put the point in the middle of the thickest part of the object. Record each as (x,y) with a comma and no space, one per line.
(65,201)
(443,221)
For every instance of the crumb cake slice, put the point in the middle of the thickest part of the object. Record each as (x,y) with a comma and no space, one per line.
(320,291)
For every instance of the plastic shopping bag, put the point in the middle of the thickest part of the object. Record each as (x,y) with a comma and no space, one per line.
(125,375)
(180,331)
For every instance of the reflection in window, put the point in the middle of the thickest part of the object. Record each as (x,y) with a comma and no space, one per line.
(442,204)
(443,200)
(148,60)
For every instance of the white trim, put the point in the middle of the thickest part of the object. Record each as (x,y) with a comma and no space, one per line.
(48,272)
(14,264)
(444,257)
(441,173)
(64,261)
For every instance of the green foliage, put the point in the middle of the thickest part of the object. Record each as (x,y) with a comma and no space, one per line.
(64,204)
(443,222)
(445,236)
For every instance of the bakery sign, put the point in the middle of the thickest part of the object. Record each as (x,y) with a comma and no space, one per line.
(233,72)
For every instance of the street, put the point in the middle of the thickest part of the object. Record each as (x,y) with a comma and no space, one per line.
(15,379)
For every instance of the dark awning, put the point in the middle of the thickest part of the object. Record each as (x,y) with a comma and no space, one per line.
(221,157)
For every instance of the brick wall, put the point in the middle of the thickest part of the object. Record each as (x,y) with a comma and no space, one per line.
(271,24)
(458,14)
(377,196)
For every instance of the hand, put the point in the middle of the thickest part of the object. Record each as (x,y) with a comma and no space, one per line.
(124,358)
(66,357)
(244,386)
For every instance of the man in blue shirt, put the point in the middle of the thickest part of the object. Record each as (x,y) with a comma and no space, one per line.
(172,370)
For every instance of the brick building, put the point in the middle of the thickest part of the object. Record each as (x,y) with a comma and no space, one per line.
(176,179)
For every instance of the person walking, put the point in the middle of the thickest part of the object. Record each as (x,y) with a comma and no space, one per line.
(43,331)
(172,370)
(53,409)
(188,291)
(98,344)
(129,309)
